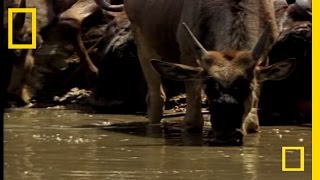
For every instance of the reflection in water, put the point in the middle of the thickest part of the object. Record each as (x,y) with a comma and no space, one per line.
(61,144)
(251,157)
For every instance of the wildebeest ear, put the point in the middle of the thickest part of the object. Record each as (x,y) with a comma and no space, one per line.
(178,72)
(277,71)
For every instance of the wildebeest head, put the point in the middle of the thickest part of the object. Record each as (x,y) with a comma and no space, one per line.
(230,80)
(58,43)
(65,37)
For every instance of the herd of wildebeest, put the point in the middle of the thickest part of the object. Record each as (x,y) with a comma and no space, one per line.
(248,62)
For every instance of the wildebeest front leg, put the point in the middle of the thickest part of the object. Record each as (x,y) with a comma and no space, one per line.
(156,97)
(20,70)
(193,118)
(251,121)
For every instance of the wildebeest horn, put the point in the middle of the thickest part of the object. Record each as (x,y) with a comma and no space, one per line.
(79,11)
(19,19)
(201,51)
(107,6)
(260,47)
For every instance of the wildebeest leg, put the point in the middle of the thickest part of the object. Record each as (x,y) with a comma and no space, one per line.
(156,97)
(20,70)
(83,54)
(193,118)
(251,122)
(80,68)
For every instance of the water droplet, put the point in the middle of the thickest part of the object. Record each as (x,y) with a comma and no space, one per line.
(124,140)
(36,136)
(276,130)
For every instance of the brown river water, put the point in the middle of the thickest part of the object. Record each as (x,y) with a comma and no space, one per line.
(52,144)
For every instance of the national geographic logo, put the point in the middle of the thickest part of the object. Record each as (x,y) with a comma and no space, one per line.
(33,12)
(284,158)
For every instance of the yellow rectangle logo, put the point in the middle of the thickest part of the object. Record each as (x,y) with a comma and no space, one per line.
(284,150)
(33,12)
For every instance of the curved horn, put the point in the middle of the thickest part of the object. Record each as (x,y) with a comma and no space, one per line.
(19,19)
(107,6)
(262,43)
(200,50)
(79,11)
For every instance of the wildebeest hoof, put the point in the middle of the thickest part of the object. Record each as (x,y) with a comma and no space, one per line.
(196,130)
(154,129)
(252,127)
(193,128)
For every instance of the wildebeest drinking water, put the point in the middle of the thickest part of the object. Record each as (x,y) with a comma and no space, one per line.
(219,44)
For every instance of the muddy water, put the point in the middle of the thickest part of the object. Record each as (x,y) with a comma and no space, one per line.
(64,144)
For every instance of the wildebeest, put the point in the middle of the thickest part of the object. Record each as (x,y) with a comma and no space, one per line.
(219,43)
(118,63)
(109,41)
(48,11)
(289,101)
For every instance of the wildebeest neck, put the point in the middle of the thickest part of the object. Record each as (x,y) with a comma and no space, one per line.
(234,25)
